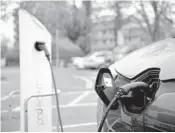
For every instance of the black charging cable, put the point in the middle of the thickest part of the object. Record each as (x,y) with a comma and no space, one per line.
(40,46)
(119,93)
(124,90)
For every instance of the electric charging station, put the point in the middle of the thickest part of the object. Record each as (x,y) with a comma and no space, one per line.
(35,75)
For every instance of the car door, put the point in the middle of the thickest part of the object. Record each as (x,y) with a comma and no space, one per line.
(160,116)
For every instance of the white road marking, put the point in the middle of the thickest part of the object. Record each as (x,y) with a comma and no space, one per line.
(4,98)
(73,104)
(74,125)
(17,109)
(4,111)
(79,98)
(75,92)
(76,105)
(17,95)
(12,94)
(89,82)
(78,125)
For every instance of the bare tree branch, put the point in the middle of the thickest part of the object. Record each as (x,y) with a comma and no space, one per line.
(154,5)
(139,22)
(145,17)
(164,10)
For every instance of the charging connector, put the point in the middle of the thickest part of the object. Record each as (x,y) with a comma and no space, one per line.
(124,90)
(119,93)
(40,46)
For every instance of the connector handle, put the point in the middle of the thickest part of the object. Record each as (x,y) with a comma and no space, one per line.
(135,85)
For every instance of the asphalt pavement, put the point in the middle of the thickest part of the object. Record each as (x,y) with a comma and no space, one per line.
(78,100)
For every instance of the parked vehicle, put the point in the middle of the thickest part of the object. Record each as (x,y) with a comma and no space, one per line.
(140,111)
(91,61)
(118,53)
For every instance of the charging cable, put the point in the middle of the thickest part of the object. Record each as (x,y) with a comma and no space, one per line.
(124,90)
(116,97)
(40,46)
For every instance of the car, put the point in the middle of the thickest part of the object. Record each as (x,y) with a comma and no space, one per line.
(158,112)
(116,54)
(93,60)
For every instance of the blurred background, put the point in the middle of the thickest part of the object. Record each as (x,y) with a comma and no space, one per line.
(88,34)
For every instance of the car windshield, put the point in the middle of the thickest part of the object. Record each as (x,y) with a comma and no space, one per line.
(160,54)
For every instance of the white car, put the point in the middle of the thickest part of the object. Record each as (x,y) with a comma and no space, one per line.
(93,60)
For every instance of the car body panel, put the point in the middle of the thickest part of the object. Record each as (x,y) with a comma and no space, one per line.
(134,121)
(160,114)
(155,55)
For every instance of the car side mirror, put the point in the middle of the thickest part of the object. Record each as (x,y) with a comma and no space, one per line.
(105,86)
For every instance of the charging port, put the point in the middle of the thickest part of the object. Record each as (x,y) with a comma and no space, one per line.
(39,45)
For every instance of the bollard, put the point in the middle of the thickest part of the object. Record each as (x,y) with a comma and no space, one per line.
(35,73)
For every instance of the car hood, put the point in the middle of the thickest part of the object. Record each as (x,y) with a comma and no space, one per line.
(160,54)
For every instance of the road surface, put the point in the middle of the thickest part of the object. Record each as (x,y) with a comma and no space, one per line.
(78,100)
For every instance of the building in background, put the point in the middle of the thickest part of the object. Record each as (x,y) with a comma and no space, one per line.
(103,33)
(103,36)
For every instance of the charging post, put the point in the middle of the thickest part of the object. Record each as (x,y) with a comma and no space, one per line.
(35,75)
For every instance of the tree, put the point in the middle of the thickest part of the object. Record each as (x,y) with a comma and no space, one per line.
(78,27)
(71,21)
(3,7)
(4,48)
(120,16)
(88,7)
(150,16)
(9,17)
(50,13)
(84,42)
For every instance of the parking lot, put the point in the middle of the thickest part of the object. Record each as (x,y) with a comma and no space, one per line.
(78,100)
